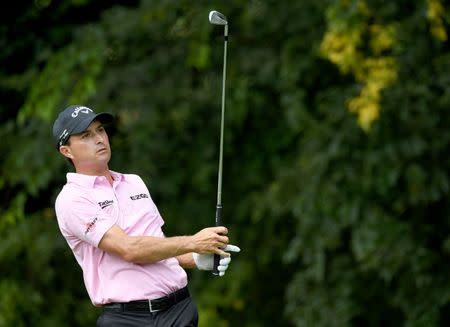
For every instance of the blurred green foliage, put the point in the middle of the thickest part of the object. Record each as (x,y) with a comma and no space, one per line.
(336,169)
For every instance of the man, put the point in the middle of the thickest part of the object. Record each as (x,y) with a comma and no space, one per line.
(115,232)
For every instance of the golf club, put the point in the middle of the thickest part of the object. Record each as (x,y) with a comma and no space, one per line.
(216,18)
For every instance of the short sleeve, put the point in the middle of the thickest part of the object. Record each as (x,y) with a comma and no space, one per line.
(81,218)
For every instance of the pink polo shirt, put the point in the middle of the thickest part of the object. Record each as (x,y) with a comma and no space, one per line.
(86,208)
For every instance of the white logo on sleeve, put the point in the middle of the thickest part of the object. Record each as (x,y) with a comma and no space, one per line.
(83,110)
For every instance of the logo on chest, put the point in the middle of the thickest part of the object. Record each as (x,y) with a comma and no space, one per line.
(104,204)
(139,196)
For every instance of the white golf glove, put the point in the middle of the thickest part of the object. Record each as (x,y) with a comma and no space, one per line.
(206,261)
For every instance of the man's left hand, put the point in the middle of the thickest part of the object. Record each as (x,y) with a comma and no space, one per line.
(206,261)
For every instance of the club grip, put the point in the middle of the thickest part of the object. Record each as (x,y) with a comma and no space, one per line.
(215,271)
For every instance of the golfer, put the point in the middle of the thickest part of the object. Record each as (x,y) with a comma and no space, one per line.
(115,232)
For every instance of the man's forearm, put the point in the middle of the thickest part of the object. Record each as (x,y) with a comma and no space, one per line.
(149,249)
(186,260)
(143,249)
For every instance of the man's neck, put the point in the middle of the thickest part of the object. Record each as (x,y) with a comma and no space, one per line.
(96,172)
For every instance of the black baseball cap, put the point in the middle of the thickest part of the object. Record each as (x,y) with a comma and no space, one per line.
(76,119)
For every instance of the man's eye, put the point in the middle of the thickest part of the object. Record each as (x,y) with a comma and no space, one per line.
(84,135)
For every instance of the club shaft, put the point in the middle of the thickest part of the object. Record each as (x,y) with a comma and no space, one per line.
(222,118)
(219,221)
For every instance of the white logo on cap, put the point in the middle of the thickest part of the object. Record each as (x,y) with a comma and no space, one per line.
(63,135)
(83,110)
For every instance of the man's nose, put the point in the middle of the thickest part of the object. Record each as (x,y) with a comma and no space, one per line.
(99,138)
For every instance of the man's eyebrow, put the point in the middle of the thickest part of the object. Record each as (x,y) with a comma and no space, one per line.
(81,133)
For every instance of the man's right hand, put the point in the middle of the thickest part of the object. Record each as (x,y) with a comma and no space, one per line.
(211,240)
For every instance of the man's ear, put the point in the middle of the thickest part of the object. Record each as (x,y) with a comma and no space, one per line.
(65,151)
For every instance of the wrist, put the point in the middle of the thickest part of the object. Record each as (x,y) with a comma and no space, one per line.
(186,244)
(187,260)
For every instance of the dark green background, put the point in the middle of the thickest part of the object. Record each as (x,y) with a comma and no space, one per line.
(338,225)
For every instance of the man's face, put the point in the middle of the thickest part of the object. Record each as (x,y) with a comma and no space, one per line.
(89,150)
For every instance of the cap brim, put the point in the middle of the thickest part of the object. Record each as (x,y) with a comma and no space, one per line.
(104,118)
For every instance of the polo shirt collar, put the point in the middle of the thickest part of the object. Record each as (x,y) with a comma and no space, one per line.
(89,181)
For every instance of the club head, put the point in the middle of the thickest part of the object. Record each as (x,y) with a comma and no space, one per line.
(217,18)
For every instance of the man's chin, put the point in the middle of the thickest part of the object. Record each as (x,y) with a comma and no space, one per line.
(103,155)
